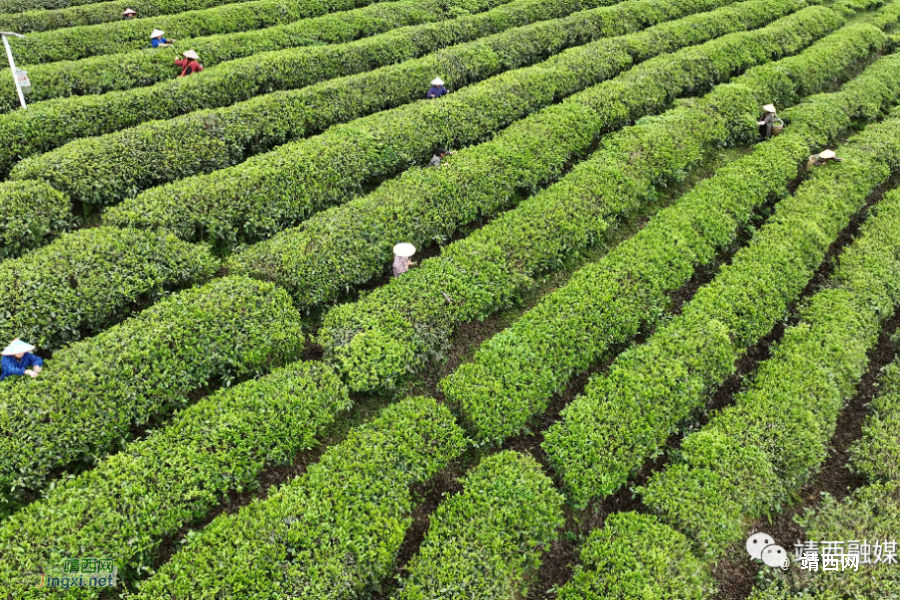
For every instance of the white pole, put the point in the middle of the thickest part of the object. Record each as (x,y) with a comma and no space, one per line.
(12,66)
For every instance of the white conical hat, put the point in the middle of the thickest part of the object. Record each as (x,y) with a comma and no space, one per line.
(129,11)
(191,54)
(827,154)
(157,33)
(404,250)
(437,81)
(769,108)
(17,346)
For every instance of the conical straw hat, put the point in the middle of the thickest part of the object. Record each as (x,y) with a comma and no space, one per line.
(404,250)
(17,346)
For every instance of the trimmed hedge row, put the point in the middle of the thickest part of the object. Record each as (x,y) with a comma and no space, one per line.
(877,454)
(99,12)
(753,455)
(31,214)
(126,505)
(398,327)
(110,38)
(871,513)
(140,158)
(94,392)
(625,417)
(488,540)
(303,177)
(353,242)
(608,302)
(48,125)
(18,6)
(101,74)
(85,280)
(635,556)
(332,533)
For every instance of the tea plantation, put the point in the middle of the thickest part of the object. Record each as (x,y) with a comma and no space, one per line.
(652,309)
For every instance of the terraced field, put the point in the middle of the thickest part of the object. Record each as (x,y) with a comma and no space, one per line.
(638,331)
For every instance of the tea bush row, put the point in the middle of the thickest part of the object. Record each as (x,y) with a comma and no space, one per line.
(331,533)
(624,417)
(125,506)
(399,326)
(84,281)
(94,393)
(132,160)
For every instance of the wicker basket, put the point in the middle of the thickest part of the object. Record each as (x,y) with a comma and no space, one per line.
(777,127)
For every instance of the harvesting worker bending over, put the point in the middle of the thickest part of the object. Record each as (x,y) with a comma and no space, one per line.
(18,360)
(437,88)
(129,14)
(817,160)
(438,157)
(158,41)
(402,254)
(189,63)
(767,122)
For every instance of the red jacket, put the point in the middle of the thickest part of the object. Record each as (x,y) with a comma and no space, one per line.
(188,66)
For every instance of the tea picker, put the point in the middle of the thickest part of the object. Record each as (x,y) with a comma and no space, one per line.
(18,360)
(817,160)
(189,63)
(158,41)
(769,123)
(437,88)
(402,254)
(129,14)
(438,157)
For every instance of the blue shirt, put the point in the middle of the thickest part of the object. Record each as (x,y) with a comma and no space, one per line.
(155,42)
(436,91)
(13,366)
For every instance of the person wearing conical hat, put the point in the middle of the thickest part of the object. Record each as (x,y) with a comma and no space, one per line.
(158,41)
(437,88)
(402,262)
(765,121)
(189,63)
(129,14)
(817,160)
(18,360)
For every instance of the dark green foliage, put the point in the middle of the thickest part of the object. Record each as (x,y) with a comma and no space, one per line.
(149,155)
(98,12)
(869,514)
(73,43)
(127,70)
(124,507)
(86,280)
(93,393)
(48,125)
(349,244)
(788,415)
(487,541)
(877,454)
(399,326)
(33,213)
(607,303)
(332,533)
(651,389)
(18,6)
(634,556)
